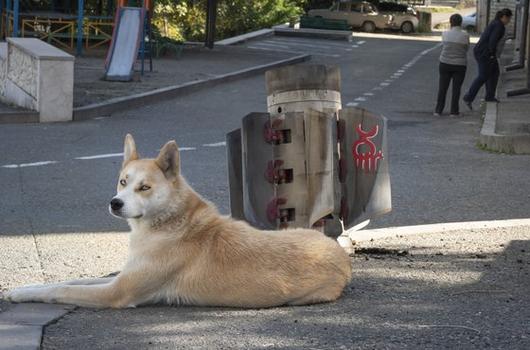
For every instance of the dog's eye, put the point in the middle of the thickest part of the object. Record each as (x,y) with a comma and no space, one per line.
(123,182)
(145,188)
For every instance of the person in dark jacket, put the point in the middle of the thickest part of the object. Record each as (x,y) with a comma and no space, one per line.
(486,53)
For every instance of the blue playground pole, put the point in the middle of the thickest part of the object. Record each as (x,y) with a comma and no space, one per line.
(80,15)
(15,17)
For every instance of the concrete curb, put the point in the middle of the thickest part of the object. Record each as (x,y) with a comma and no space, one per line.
(491,140)
(366,235)
(130,102)
(21,326)
(245,37)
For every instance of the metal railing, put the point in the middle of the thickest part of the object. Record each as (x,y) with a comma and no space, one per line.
(59,30)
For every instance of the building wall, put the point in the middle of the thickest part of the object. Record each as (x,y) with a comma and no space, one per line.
(495,5)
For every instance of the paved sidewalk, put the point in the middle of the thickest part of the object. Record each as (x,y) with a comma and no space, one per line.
(463,288)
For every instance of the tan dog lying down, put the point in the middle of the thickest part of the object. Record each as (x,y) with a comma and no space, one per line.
(182,251)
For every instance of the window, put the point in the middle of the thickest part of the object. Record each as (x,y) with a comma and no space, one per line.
(343,6)
(357,7)
(368,8)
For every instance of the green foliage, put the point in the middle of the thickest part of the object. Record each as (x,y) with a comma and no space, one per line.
(186,19)
(182,20)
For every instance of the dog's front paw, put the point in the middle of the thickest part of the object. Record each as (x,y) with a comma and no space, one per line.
(10,296)
(22,295)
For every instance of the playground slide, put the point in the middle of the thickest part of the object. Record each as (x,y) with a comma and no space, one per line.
(126,40)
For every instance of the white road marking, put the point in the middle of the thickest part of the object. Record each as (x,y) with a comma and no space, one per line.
(291,51)
(294,43)
(217,144)
(348,49)
(361,42)
(398,73)
(355,46)
(98,156)
(352,104)
(25,165)
(305,43)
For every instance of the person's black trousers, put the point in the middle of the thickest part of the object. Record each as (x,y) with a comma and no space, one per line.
(450,72)
(488,73)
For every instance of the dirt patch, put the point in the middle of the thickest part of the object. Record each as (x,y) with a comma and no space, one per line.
(195,63)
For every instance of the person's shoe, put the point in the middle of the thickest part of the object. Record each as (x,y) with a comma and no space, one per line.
(436,114)
(492,100)
(469,104)
(454,115)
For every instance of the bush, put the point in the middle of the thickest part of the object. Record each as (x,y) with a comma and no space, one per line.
(186,20)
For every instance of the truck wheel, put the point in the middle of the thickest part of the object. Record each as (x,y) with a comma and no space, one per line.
(407,27)
(368,27)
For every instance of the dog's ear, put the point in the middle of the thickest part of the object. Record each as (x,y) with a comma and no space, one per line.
(129,150)
(169,160)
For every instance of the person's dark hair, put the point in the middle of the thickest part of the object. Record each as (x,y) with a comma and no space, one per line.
(502,13)
(455,20)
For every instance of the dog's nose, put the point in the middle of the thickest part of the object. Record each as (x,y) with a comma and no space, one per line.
(116,204)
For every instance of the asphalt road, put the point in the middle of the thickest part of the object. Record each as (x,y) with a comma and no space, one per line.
(438,174)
